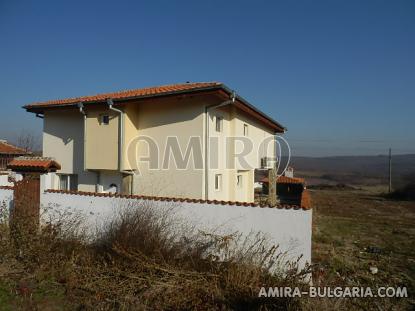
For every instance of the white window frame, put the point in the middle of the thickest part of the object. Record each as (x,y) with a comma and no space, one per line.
(68,181)
(218,182)
(239,180)
(67,177)
(246,129)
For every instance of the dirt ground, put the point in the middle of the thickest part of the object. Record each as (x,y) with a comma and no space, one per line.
(354,230)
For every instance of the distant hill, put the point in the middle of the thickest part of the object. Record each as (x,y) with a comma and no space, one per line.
(354,169)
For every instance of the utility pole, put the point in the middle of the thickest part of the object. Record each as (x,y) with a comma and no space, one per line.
(390,170)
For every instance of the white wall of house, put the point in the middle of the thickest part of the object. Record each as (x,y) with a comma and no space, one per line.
(108,178)
(63,139)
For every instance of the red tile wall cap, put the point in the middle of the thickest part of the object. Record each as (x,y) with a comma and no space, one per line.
(169,199)
(35,163)
(7,187)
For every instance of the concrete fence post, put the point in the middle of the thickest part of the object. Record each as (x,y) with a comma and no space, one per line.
(272,184)
(25,216)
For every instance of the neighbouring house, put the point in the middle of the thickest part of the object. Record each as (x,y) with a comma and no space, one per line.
(98,139)
(8,152)
(289,189)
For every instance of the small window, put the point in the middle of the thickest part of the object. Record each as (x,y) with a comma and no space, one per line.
(105,119)
(218,182)
(68,182)
(63,182)
(245,129)
(239,181)
(219,124)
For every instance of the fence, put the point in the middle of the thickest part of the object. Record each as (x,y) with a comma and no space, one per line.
(289,227)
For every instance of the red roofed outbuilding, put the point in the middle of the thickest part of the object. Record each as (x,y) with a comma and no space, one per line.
(8,152)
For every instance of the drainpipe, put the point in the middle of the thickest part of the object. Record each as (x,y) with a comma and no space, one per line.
(120,133)
(207,136)
(120,143)
(81,110)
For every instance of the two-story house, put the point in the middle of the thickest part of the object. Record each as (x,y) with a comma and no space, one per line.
(181,140)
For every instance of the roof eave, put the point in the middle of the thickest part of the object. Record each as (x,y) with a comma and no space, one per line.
(36,109)
(281,129)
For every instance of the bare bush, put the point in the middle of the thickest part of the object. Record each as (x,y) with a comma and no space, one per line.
(144,260)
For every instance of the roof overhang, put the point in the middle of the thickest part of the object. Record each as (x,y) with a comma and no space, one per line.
(217,88)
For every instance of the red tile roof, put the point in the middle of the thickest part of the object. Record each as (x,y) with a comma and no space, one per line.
(6,148)
(286,180)
(33,164)
(172,89)
(127,94)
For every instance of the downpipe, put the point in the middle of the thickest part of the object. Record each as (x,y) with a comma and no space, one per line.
(82,110)
(120,133)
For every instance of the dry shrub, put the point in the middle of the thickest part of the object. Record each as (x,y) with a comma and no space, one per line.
(143,260)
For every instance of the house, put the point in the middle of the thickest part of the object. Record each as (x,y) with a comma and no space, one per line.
(8,152)
(290,190)
(107,142)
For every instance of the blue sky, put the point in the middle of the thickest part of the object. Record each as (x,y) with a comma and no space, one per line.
(340,75)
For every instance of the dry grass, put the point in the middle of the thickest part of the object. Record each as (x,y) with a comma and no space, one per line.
(358,229)
(138,263)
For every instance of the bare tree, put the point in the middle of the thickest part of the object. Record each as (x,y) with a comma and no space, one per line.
(29,142)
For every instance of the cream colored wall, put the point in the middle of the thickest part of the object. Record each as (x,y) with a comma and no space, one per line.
(131,126)
(159,119)
(63,140)
(218,156)
(233,126)
(101,140)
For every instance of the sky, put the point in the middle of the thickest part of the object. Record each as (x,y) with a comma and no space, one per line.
(340,75)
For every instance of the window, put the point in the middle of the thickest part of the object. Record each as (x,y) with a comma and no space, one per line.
(105,119)
(63,182)
(219,124)
(68,182)
(239,181)
(245,129)
(218,182)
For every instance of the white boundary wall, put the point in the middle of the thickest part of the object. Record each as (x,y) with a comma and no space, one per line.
(6,203)
(291,229)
